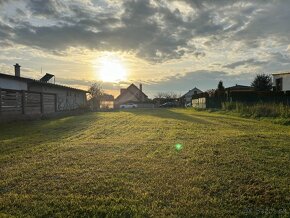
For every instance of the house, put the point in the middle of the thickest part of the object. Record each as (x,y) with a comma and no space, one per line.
(107,101)
(240,93)
(187,97)
(281,81)
(239,88)
(132,94)
(67,98)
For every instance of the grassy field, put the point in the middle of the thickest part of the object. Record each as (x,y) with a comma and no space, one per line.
(127,164)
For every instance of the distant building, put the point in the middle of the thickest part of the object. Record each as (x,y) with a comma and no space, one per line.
(239,88)
(67,98)
(187,97)
(281,81)
(107,101)
(132,94)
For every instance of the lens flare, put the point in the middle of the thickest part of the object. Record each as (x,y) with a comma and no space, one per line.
(178,147)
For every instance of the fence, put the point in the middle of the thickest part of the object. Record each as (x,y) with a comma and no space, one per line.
(205,100)
(15,102)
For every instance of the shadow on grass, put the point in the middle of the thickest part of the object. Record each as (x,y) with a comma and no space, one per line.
(169,114)
(24,134)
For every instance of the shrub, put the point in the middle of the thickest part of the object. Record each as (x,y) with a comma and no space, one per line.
(258,109)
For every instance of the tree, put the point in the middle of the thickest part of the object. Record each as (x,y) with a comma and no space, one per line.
(96,92)
(262,82)
(166,95)
(211,92)
(221,87)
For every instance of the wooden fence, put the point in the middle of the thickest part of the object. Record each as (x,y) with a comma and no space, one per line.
(15,102)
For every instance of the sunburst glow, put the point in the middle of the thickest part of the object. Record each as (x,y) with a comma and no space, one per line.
(112,69)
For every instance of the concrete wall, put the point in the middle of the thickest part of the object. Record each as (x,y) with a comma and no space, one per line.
(199,103)
(285,81)
(67,99)
(12,84)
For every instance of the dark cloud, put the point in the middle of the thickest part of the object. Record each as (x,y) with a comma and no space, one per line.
(280,58)
(199,54)
(248,62)
(201,79)
(5,31)
(151,29)
(270,22)
(45,7)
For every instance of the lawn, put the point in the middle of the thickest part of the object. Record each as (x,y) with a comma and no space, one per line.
(148,163)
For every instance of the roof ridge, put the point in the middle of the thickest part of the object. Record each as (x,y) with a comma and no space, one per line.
(37,81)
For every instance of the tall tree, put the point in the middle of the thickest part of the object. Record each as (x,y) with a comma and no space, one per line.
(262,82)
(221,86)
(96,92)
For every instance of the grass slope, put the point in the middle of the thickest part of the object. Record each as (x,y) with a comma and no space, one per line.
(125,164)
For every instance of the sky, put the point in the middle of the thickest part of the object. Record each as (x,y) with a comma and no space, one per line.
(168,46)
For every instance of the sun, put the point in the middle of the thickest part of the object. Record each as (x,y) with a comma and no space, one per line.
(112,69)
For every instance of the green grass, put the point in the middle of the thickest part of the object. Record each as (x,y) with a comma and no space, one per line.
(148,163)
(272,111)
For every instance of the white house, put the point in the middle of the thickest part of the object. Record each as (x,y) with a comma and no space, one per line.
(188,96)
(281,81)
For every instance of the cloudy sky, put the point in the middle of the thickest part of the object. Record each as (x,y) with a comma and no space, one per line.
(166,45)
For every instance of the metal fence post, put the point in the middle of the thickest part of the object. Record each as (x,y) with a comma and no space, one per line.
(41,103)
(0,101)
(23,102)
(55,102)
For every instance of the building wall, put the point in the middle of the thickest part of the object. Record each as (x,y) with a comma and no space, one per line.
(12,84)
(125,98)
(199,103)
(131,94)
(285,81)
(67,99)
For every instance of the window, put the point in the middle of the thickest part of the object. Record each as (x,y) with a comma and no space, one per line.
(279,84)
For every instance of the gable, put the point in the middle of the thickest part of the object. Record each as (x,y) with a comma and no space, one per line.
(132,93)
(126,97)
(192,92)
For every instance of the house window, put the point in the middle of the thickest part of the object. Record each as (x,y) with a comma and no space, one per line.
(279,84)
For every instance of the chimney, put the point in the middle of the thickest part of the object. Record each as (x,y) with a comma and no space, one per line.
(17,70)
(140,86)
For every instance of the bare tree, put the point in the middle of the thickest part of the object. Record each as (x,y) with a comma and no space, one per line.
(166,95)
(160,95)
(96,92)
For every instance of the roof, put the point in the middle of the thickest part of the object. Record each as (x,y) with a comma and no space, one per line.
(28,80)
(285,73)
(191,90)
(107,97)
(128,90)
(240,87)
